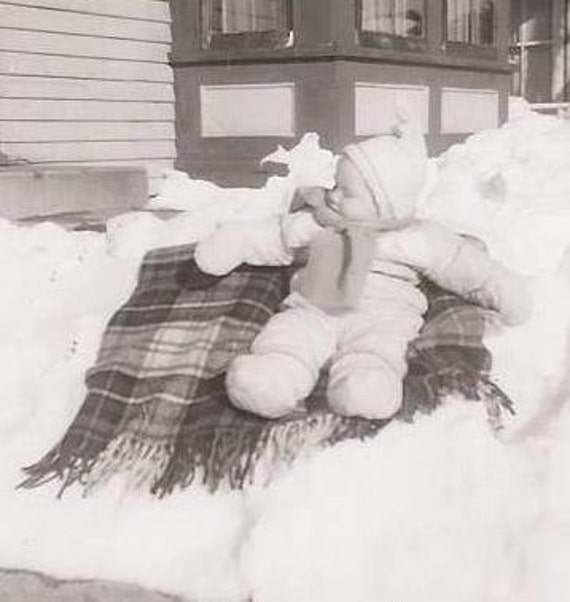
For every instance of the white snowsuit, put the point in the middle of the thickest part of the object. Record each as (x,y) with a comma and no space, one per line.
(379,182)
(364,348)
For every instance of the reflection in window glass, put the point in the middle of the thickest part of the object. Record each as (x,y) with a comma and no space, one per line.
(393,17)
(471,22)
(244,16)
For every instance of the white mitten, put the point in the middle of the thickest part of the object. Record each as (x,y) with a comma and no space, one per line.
(255,242)
(460,265)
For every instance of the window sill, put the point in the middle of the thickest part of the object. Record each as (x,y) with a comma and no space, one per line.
(250,41)
(463,49)
(371,39)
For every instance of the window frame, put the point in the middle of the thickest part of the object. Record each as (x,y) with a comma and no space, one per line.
(250,40)
(391,41)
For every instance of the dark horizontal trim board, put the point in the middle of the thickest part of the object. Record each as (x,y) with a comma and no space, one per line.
(416,61)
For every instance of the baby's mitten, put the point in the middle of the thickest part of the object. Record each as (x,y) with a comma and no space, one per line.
(461,265)
(255,242)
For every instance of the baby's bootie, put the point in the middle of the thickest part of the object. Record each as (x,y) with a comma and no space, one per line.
(269,384)
(367,392)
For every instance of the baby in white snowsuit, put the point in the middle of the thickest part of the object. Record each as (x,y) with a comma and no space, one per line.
(356,305)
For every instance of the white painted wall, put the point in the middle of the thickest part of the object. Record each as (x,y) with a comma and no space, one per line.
(86,81)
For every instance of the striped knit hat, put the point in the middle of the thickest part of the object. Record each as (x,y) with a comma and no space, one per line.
(394,168)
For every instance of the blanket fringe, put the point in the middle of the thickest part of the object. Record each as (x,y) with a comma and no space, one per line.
(141,462)
(252,451)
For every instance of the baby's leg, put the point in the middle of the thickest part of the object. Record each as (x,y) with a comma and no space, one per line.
(284,362)
(366,376)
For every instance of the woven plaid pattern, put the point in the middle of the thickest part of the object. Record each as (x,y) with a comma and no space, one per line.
(156,407)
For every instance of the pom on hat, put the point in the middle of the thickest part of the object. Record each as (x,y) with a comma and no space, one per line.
(394,168)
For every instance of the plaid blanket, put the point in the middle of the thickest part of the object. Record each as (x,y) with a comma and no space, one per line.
(156,410)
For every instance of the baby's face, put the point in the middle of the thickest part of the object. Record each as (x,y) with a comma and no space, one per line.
(352,194)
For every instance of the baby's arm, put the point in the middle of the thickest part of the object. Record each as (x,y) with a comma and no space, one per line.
(270,241)
(462,266)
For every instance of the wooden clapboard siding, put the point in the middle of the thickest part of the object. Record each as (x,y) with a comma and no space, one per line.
(51,131)
(85,110)
(20,63)
(41,42)
(41,19)
(83,89)
(67,152)
(150,11)
(86,81)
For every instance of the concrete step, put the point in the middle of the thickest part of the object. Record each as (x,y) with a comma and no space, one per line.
(30,192)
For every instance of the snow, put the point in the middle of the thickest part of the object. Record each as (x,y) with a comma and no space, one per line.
(436,510)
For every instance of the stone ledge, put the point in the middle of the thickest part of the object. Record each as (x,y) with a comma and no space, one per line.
(27,191)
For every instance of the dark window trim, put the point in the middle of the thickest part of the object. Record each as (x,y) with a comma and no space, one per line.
(278,38)
(374,39)
(468,48)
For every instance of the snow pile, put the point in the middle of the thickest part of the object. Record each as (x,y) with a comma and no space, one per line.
(201,205)
(58,291)
(511,188)
(435,510)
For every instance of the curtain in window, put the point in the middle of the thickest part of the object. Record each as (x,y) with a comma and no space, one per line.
(458,20)
(409,17)
(471,21)
(378,15)
(483,22)
(243,16)
(393,17)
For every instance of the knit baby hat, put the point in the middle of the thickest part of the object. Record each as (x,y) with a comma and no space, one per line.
(394,167)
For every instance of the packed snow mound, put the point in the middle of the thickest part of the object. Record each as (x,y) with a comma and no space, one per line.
(511,188)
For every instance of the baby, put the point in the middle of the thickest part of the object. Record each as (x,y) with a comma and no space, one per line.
(356,305)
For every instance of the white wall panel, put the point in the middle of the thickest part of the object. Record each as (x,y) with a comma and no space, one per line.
(377,106)
(248,110)
(466,110)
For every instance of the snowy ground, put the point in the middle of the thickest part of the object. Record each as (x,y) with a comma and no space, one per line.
(437,510)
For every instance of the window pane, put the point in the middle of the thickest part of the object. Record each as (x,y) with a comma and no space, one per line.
(244,16)
(471,21)
(410,18)
(483,22)
(378,16)
(393,17)
(458,20)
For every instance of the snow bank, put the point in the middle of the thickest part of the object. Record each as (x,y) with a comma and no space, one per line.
(510,187)
(436,510)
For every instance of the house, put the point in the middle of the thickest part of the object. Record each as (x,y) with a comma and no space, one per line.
(94,93)
(250,74)
(86,103)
